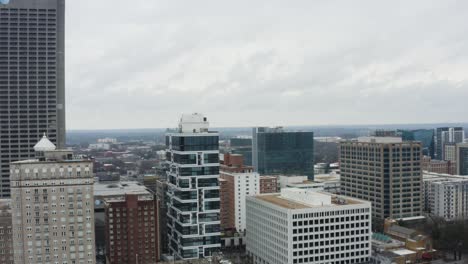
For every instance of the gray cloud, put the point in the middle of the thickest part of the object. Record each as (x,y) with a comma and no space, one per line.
(244,63)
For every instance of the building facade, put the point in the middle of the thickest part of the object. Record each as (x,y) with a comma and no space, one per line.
(385,171)
(446,135)
(6,234)
(52,206)
(275,151)
(462,159)
(268,184)
(131,229)
(449,199)
(32,88)
(193,202)
(240,181)
(300,226)
(161,196)
(439,166)
(450,152)
(425,136)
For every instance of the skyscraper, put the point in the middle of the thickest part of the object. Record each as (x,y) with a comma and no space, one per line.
(53,207)
(275,151)
(193,202)
(446,135)
(32,94)
(385,171)
(462,159)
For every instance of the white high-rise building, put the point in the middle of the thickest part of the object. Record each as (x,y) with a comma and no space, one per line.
(242,184)
(52,207)
(446,195)
(193,203)
(450,199)
(303,226)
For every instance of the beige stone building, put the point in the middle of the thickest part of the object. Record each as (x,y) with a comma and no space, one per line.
(385,171)
(52,208)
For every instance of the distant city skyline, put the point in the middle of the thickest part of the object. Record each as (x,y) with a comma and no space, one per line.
(261,63)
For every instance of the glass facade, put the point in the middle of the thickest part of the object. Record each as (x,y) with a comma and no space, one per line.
(463,160)
(425,136)
(285,153)
(193,194)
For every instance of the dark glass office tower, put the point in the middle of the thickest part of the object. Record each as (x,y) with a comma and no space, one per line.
(462,159)
(193,201)
(277,152)
(425,136)
(32,94)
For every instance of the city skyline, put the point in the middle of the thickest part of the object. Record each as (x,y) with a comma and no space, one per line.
(261,65)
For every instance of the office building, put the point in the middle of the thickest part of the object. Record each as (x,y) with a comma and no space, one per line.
(276,151)
(239,182)
(52,206)
(300,226)
(385,171)
(6,237)
(242,146)
(131,229)
(425,136)
(32,88)
(462,159)
(446,135)
(193,202)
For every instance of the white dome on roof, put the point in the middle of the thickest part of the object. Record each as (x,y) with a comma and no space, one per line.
(44,144)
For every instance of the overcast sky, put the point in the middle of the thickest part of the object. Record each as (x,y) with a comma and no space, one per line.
(141,63)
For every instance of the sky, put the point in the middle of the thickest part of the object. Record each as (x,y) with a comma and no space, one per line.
(142,63)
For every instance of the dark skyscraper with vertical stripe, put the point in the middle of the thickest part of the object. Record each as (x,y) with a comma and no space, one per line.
(32,88)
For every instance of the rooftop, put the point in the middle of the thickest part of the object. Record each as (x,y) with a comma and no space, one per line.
(294,198)
(44,144)
(380,139)
(119,189)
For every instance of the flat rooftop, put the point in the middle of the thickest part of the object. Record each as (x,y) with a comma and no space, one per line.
(289,203)
(119,189)
(380,139)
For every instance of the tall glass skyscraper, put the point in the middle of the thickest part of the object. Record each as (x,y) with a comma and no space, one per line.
(193,202)
(275,151)
(32,94)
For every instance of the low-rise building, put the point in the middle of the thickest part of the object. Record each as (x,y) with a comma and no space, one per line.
(268,184)
(438,166)
(131,229)
(103,191)
(303,226)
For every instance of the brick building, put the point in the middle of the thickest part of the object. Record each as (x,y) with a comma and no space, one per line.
(131,230)
(438,166)
(268,184)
